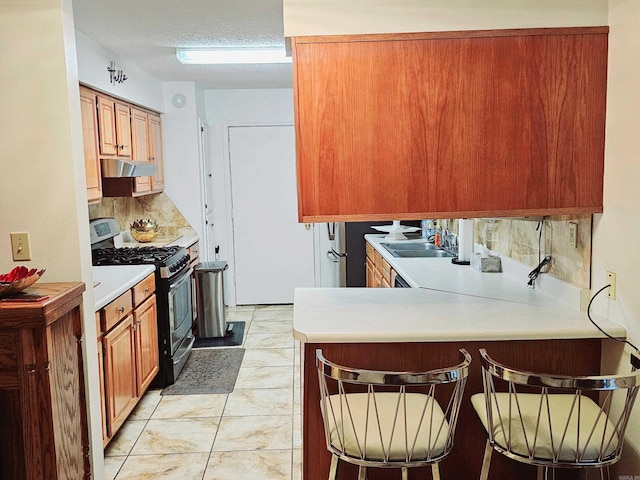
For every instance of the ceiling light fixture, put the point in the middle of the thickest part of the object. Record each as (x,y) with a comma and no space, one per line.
(227,55)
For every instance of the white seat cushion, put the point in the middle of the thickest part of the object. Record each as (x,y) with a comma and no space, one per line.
(348,433)
(550,433)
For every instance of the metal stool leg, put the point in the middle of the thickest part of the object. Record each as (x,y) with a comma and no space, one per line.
(435,471)
(543,473)
(486,461)
(362,473)
(333,470)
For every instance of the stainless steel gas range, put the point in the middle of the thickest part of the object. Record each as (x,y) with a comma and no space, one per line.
(173,292)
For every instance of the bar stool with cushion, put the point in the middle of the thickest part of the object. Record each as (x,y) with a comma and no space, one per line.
(554,421)
(390,419)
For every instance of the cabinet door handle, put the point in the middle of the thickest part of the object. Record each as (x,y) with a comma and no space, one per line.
(146,290)
(121,310)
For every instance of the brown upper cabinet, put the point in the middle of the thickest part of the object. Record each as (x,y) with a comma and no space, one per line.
(450,124)
(90,138)
(155,151)
(140,135)
(115,127)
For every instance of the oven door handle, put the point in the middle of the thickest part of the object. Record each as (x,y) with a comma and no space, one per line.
(186,275)
(186,351)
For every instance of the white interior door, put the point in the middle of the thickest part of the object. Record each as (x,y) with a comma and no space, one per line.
(273,253)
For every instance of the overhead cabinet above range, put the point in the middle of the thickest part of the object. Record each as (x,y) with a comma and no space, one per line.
(119,133)
(450,124)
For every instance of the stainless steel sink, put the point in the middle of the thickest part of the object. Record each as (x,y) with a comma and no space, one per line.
(410,246)
(415,249)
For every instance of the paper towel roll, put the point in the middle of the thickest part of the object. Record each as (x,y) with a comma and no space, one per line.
(465,239)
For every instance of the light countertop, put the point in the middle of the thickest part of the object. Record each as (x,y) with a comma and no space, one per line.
(346,315)
(113,281)
(441,274)
(452,303)
(162,241)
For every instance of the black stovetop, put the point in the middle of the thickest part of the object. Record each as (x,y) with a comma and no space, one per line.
(133,256)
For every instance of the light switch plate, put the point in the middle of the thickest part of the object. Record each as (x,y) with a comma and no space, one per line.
(20,246)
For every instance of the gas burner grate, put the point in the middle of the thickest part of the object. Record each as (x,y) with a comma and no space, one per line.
(132,256)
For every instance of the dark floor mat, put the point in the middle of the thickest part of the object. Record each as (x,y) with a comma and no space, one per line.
(232,339)
(208,371)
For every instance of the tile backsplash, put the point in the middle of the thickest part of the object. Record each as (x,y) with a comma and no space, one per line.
(158,207)
(527,242)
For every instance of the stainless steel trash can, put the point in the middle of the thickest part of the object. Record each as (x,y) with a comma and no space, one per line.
(212,320)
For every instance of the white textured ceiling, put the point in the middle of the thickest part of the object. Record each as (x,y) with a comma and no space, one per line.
(147,32)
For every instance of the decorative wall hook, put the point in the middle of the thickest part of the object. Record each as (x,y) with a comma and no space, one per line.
(115,76)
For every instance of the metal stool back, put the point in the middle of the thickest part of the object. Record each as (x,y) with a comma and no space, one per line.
(554,421)
(390,419)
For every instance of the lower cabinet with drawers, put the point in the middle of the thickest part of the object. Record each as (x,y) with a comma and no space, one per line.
(379,274)
(127,352)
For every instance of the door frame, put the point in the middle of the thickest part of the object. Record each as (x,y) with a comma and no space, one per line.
(205,188)
(230,285)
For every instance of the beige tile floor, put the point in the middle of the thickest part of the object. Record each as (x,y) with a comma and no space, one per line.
(252,433)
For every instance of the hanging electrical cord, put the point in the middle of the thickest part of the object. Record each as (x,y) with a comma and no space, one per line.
(533,274)
(539,229)
(598,327)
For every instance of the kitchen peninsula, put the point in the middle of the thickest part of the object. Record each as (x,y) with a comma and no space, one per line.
(422,328)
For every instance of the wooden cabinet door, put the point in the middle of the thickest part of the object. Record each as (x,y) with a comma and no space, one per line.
(139,133)
(146,333)
(90,139)
(107,124)
(120,373)
(114,122)
(450,124)
(370,278)
(105,437)
(155,151)
(123,129)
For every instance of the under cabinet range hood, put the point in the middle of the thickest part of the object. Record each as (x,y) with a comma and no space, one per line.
(119,168)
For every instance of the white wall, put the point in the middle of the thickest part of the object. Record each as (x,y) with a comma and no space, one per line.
(139,87)
(325,17)
(42,184)
(617,230)
(181,151)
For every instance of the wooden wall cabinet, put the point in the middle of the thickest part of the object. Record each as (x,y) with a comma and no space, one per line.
(90,138)
(44,432)
(116,129)
(114,121)
(129,356)
(155,151)
(140,136)
(450,124)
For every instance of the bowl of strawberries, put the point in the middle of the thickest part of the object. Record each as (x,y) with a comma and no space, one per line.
(18,279)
